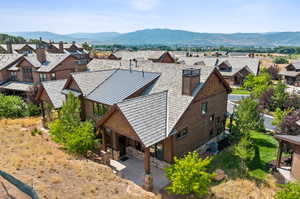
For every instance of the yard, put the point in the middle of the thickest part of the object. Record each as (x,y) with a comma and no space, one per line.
(240,91)
(53,173)
(259,183)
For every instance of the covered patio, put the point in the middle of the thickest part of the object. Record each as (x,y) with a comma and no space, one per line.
(293,142)
(133,169)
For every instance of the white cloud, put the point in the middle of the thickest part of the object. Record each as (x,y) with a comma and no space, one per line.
(144,5)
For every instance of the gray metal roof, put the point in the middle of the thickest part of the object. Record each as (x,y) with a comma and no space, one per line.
(53,90)
(170,80)
(88,81)
(18,86)
(148,116)
(120,85)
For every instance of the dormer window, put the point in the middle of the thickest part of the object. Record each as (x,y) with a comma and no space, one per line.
(43,77)
(99,109)
(13,75)
(53,76)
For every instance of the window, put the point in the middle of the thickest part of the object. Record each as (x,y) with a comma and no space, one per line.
(212,118)
(203,108)
(27,73)
(13,75)
(43,77)
(182,133)
(99,109)
(157,151)
(53,76)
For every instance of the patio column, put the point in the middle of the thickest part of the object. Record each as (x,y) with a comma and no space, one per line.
(43,114)
(104,141)
(279,154)
(148,179)
(116,152)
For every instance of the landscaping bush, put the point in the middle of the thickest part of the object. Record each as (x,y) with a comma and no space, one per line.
(257,84)
(68,130)
(12,107)
(33,110)
(289,191)
(16,107)
(281,60)
(188,175)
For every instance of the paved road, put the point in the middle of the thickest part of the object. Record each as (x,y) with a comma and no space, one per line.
(230,106)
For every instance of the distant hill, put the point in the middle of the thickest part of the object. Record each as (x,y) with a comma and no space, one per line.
(4,38)
(174,37)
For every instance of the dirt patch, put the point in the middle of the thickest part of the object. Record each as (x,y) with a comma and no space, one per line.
(38,162)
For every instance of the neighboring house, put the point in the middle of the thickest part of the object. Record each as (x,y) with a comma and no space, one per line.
(29,70)
(291,74)
(17,48)
(234,70)
(155,56)
(155,110)
(292,142)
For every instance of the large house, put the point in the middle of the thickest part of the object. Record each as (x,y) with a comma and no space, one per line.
(155,110)
(291,74)
(234,70)
(19,74)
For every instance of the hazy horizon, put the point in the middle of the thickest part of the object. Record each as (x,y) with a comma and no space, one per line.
(92,16)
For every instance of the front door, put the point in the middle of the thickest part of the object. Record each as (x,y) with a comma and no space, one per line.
(122,144)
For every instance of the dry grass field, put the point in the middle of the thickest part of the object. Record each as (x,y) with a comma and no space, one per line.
(55,174)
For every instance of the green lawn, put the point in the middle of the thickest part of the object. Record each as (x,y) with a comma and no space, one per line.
(265,151)
(240,91)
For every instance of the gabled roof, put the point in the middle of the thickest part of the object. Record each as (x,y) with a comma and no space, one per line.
(53,90)
(17,47)
(296,65)
(120,85)
(147,115)
(88,81)
(170,80)
(237,63)
(53,60)
(8,59)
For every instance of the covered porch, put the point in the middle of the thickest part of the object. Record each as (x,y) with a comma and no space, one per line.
(289,142)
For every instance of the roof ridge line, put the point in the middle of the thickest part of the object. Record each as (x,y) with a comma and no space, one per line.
(142,96)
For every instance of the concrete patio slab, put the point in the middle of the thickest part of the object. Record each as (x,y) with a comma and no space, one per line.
(286,173)
(133,169)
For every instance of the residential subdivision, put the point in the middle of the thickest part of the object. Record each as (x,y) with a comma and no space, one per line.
(22,70)
(291,74)
(153,111)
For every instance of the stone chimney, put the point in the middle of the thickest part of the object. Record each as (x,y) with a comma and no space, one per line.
(41,54)
(190,80)
(61,47)
(73,42)
(9,47)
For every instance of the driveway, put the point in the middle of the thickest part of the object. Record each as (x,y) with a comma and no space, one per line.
(133,169)
(267,119)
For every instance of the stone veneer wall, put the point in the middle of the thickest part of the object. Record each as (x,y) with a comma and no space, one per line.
(140,155)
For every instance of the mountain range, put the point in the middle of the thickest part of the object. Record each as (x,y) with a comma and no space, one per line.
(172,37)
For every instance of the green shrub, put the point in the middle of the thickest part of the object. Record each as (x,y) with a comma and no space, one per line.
(188,175)
(12,107)
(82,139)
(281,60)
(289,191)
(36,131)
(33,110)
(68,130)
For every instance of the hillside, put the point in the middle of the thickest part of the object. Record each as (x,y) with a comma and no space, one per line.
(4,38)
(174,37)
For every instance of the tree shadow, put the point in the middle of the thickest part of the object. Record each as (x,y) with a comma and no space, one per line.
(263,142)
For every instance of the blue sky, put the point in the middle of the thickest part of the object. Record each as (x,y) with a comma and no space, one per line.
(218,16)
